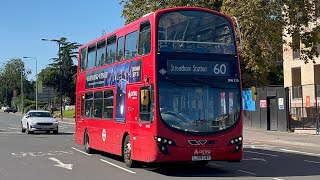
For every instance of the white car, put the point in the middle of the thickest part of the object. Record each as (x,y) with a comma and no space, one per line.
(39,120)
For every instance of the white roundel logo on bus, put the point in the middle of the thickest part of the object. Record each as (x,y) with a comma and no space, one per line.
(104,135)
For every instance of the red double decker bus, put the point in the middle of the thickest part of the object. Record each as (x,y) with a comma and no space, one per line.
(164,88)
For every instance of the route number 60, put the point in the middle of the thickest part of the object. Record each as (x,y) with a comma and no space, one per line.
(220,69)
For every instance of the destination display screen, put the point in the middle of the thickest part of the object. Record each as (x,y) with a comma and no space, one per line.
(199,68)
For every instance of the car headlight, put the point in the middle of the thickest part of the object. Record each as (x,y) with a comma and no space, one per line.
(32,123)
(56,122)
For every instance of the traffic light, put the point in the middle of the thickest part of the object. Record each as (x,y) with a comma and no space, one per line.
(254,93)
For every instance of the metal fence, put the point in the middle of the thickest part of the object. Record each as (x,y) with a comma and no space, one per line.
(304,107)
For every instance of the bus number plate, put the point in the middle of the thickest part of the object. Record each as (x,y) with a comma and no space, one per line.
(201,158)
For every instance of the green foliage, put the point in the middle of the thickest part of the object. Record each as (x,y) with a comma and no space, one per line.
(135,9)
(10,80)
(51,75)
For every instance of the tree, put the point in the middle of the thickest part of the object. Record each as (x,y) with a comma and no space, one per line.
(301,19)
(10,79)
(135,9)
(51,75)
(261,28)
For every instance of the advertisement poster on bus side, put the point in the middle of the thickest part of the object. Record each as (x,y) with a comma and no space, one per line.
(119,75)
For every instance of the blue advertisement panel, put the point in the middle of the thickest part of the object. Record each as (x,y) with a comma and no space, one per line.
(118,76)
(248,104)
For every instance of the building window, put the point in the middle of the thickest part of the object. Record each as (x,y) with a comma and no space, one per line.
(101,51)
(111,49)
(97,101)
(146,103)
(296,83)
(89,104)
(296,45)
(108,104)
(131,45)
(120,48)
(145,38)
(297,92)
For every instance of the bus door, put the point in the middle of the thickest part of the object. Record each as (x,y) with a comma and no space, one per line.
(143,128)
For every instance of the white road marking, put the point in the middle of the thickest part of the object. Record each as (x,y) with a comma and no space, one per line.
(132,172)
(312,162)
(13,125)
(273,155)
(246,172)
(13,128)
(299,152)
(216,165)
(277,179)
(254,159)
(81,151)
(61,164)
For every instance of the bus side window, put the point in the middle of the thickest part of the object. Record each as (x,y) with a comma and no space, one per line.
(111,49)
(83,61)
(101,50)
(97,104)
(145,38)
(120,48)
(108,104)
(91,57)
(131,45)
(146,104)
(89,104)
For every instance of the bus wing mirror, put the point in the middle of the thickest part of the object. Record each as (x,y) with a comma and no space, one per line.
(144,97)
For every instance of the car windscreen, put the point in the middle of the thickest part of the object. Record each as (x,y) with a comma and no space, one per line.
(39,114)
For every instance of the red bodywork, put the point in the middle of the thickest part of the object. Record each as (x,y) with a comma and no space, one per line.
(144,146)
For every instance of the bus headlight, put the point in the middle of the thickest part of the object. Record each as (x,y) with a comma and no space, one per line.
(236,142)
(163,140)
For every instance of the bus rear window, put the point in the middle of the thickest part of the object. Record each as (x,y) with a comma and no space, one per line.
(195,31)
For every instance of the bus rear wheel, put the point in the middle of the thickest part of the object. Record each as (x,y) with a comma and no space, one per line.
(127,153)
(86,144)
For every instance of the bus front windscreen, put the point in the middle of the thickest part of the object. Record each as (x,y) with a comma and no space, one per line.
(195,32)
(199,108)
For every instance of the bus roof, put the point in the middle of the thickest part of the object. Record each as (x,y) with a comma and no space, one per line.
(147,16)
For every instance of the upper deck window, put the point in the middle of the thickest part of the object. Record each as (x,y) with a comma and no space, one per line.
(195,31)
(145,38)
(111,49)
(120,48)
(101,51)
(131,45)
(83,62)
(91,57)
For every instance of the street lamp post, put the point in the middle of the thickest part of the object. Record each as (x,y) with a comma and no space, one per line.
(60,69)
(22,105)
(36,78)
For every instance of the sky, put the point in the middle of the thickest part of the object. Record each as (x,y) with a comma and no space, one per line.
(23,23)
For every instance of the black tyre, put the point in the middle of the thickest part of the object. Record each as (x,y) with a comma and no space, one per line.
(55,132)
(28,130)
(87,147)
(22,129)
(47,132)
(126,151)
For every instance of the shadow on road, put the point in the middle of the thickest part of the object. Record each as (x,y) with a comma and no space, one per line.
(260,163)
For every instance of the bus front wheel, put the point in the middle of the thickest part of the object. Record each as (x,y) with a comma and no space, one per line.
(127,153)
(86,144)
